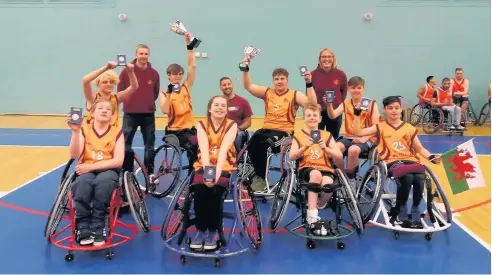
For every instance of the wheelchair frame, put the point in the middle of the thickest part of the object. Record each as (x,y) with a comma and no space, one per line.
(64,204)
(484,114)
(182,201)
(384,199)
(342,195)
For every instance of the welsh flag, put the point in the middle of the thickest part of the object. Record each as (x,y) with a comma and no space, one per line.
(462,168)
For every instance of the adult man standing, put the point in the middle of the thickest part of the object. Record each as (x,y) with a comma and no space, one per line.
(239,110)
(139,109)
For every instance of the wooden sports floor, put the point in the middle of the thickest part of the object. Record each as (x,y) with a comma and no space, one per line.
(34,150)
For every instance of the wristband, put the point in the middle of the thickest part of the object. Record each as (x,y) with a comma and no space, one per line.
(309,85)
(189,47)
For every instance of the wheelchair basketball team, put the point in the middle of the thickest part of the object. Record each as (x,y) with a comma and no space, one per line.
(452,98)
(103,147)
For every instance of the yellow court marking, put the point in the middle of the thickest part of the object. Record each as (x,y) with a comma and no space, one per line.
(21,164)
(474,209)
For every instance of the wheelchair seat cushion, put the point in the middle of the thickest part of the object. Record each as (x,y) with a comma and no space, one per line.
(403,170)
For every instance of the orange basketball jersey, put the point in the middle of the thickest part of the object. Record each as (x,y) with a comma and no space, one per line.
(426,92)
(280,110)
(180,110)
(314,156)
(215,138)
(365,118)
(113,98)
(98,147)
(396,143)
(458,86)
(444,96)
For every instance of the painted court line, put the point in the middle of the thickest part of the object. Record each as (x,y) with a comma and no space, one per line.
(36,178)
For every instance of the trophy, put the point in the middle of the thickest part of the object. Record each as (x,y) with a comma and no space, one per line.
(210,172)
(330,96)
(179,28)
(251,52)
(303,69)
(315,135)
(121,59)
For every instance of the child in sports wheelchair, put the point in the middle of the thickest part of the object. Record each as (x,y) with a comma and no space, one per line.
(315,150)
(399,146)
(100,150)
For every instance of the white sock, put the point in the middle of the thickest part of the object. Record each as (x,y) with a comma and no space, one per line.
(312,216)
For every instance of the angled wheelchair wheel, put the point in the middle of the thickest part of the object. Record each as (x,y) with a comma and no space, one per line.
(416,114)
(136,202)
(281,198)
(141,173)
(59,206)
(484,114)
(68,170)
(437,203)
(176,211)
(350,202)
(370,192)
(433,120)
(248,212)
(169,163)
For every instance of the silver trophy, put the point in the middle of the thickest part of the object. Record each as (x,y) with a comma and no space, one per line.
(251,52)
(179,28)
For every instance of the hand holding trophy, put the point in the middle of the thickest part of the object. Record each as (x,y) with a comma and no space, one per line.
(179,28)
(249,53)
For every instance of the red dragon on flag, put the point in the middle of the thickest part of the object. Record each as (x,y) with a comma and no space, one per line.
(462,170)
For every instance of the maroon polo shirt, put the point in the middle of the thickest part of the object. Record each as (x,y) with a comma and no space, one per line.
(143,99)
(239,110)
(333,80)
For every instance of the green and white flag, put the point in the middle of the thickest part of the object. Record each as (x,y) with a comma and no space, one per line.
(462,168)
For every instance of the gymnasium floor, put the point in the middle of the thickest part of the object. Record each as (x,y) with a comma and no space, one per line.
(32,161)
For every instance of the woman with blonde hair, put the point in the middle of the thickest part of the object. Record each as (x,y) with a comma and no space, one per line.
(328,77)
(106,80)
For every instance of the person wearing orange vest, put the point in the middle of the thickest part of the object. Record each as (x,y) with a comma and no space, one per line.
(100,149)
(459,88)
(350,142)
(315,166)
(425,92)
(106,80)
(175,101)
(398,144)
(443,98)
(281,104)
(216,149)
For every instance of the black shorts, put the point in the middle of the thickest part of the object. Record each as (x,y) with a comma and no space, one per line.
(364,147)
(458,100)
(304,174)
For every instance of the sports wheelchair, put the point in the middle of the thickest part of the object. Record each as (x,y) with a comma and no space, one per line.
(435,119)
(128,191)
(180,217)
(484,114)
(377,195)
(291,186)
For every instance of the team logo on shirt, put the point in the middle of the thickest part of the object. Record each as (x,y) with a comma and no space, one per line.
(233,108)
(336,82)
(150,82)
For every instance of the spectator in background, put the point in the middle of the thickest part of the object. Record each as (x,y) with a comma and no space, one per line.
(239,110)
(139,109)
(327,77)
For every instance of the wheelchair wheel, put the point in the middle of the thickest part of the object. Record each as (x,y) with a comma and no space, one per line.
(169,169)
(281,198)
(177,209)
(370,192)
(68,170)
(248,212)
(141,173)
(433,120)
(136,201)
(435,194)
(348,197)
(416,114)
(59,206)
(484,114)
